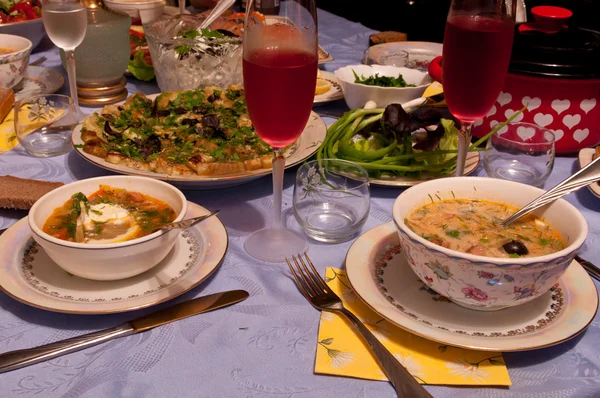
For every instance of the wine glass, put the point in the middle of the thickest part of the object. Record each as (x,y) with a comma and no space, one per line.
(65,22)
(280,73)
(477,47)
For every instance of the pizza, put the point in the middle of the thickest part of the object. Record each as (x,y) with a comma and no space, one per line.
(204,132)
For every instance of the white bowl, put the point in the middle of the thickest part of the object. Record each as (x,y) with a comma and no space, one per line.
(145,11)
(33,30)
(357,94)
(107,261)
(487,283)
(13,65)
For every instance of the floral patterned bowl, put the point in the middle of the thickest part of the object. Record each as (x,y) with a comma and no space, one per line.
(13,64)
(487,283)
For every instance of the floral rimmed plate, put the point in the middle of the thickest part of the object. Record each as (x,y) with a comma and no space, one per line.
(383,279)
(38,80)
(334,93)
(27,274)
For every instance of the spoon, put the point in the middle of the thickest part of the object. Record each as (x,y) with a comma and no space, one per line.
(216,12)
(184,224)
(584,177)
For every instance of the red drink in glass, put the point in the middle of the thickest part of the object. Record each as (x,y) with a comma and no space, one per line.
(280,88)
(475,62)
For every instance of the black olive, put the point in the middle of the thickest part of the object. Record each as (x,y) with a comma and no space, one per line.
(515,247)
(211,121)
(110,131)
(189,122)
(212,98)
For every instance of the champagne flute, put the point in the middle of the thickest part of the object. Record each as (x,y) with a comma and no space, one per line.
(280,72)
(477,47)
(65,22)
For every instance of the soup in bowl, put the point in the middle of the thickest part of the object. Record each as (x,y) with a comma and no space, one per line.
(105,228)
(451,234)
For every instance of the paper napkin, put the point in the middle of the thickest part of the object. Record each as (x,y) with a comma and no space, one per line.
(8,138)
(341,351)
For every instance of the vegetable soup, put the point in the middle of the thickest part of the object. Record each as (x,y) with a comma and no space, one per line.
(475,227)
(109,215)
(4,51)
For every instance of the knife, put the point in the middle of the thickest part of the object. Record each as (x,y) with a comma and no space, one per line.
(20,358)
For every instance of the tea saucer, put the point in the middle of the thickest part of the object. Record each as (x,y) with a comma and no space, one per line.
(383,279)
(27,274)
(333,94)
(38,80)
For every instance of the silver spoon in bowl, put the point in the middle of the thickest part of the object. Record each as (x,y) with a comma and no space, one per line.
(584,177)
(184,224)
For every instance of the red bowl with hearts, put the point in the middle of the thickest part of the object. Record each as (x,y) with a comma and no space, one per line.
(557,75)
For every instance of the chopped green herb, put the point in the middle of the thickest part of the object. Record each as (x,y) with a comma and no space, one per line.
(382,81)
(453,233)
(514,255)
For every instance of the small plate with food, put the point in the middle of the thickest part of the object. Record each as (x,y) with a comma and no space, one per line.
(198,139)
(586,155)
(50,263)
(328,88)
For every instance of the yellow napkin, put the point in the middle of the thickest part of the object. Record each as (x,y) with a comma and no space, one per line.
(341,352)
(8,138)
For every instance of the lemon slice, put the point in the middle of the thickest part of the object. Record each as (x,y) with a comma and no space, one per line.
(323,86)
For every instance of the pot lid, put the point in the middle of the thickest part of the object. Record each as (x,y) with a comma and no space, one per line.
(550,47)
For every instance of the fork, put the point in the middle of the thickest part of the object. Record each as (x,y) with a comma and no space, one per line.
(316,291)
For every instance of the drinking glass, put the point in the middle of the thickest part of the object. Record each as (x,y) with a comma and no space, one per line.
(477,47)
(396,58)
(331,199)
(43,124)
(521,152)
(280,75)
(65,22)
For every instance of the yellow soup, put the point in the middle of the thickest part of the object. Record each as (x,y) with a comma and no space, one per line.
(109,215)
(474,226)
(4,51)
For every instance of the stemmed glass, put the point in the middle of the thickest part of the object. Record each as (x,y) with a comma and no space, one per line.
(280,73)
(65,22)
(477,46)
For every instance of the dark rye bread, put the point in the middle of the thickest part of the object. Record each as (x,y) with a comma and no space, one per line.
(21,193)
(386,37)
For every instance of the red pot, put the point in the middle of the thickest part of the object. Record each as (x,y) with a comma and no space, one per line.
(555,73)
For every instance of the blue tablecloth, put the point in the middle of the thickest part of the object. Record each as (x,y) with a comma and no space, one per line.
(265,346)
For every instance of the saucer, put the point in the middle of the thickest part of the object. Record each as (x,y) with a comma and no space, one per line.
(383,279)
(28,275)
(38,80)
(585,157)
(333,94)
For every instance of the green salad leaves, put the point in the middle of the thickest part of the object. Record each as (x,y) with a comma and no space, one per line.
(381,81)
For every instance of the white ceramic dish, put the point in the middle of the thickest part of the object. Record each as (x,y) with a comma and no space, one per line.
(38,80)
(463,277)
(144,11)
(306,146)
(28,275)
(420,53)
(111,261)
(13,65)
(33,30)
(357,94)
(380,275)
(585,157)
(335,92)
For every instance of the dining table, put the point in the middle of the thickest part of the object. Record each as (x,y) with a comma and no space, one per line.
(264,346)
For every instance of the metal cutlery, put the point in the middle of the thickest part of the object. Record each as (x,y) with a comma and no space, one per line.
(589,267)
(584,177)
(183,224)
(18,359)
(315,290)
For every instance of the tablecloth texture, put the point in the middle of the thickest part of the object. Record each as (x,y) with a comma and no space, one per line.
(265,346)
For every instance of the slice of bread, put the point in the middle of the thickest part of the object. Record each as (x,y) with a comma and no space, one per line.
(7,100)
(21,193)
(386,37)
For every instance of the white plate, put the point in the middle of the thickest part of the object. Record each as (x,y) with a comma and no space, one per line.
(381,276)
(334,93)
(38,80)
(306,146)
(420,53)
(585,157)
(27,274)
(471,164)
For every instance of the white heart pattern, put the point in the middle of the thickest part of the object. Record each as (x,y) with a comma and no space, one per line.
(543,120)
(525,132)
(492,111)
(588,104)
(504,98)
(531,103)
(580,134)
(503,130)
(558,134)
(571,120)
(509,112)
(477,123)
(560,106)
